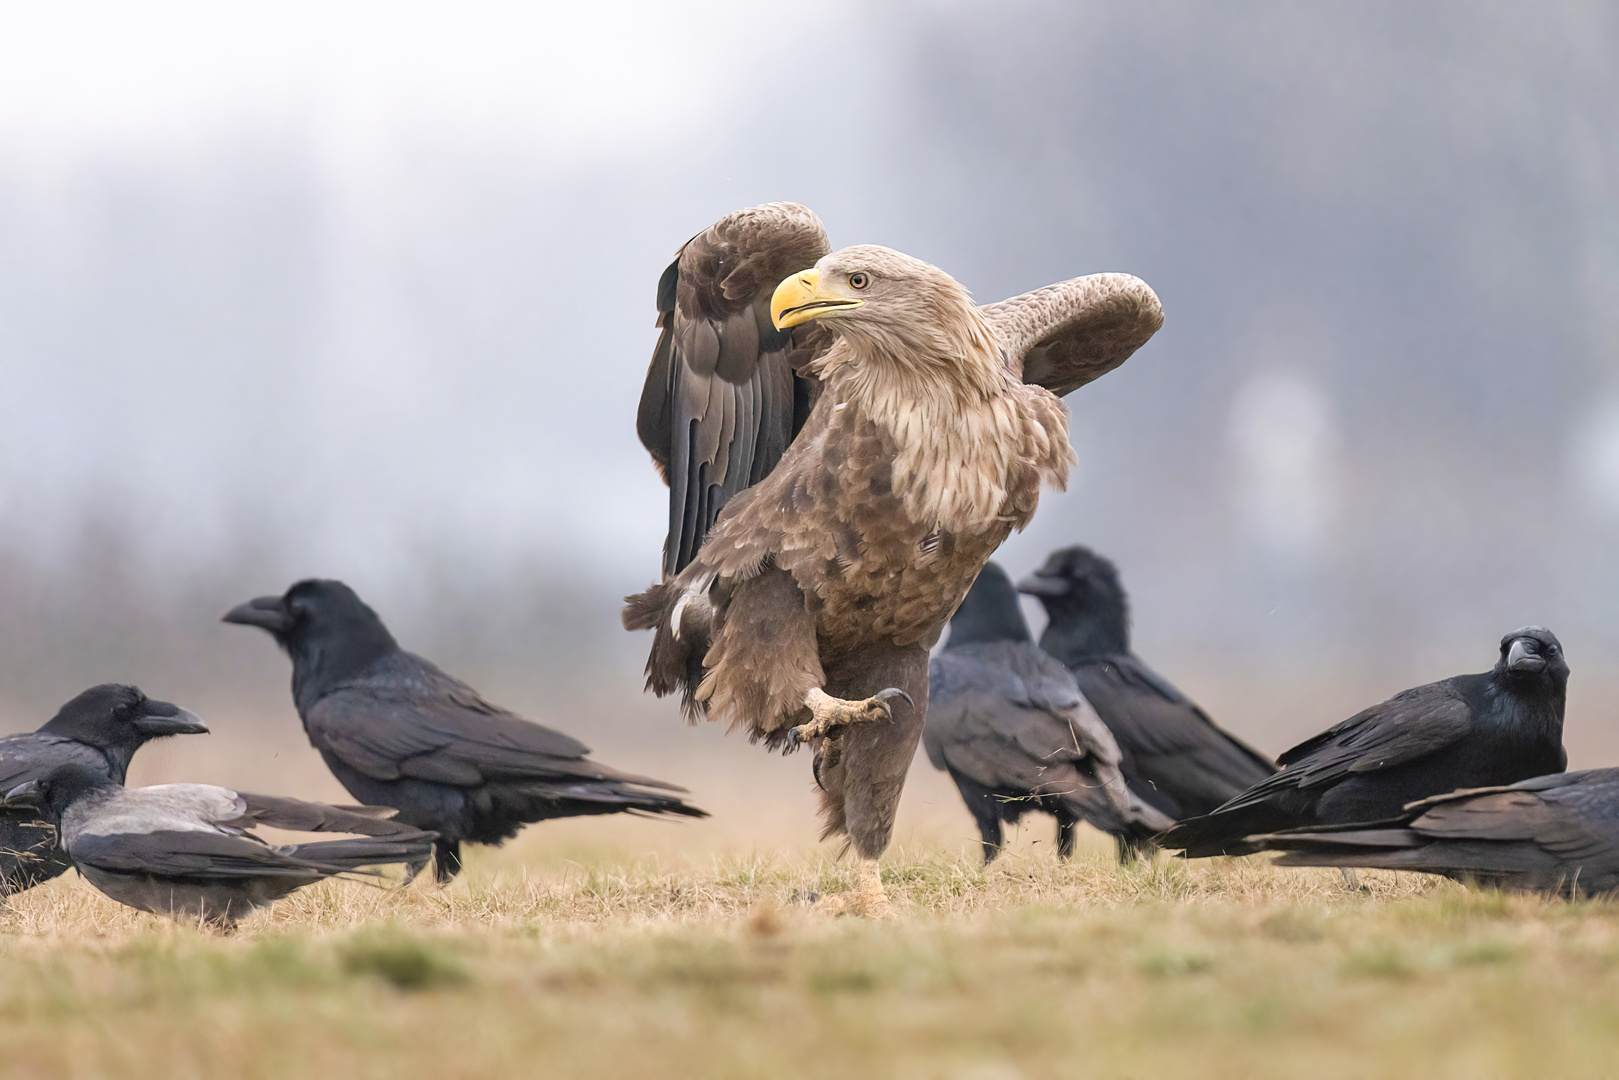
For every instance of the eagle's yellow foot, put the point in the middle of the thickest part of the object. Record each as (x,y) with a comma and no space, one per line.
(830,713)
(868,898)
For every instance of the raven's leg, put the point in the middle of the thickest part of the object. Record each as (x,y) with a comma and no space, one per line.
(985,811)
(1351,881)
(1129,849)
(446,860)
(1065,835)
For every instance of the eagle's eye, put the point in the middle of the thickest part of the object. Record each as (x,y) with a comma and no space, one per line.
(859,280)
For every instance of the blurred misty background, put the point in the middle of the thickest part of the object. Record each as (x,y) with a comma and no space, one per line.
(365,290)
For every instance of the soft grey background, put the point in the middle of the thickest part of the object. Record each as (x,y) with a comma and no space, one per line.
(365,290)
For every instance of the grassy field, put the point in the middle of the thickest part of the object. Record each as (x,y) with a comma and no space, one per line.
(573,957)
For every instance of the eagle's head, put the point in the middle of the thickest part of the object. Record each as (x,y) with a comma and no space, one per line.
(890,307)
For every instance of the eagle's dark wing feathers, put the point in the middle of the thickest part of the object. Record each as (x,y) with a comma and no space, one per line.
(722,398)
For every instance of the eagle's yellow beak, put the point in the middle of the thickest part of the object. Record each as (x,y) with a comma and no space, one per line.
(800,299)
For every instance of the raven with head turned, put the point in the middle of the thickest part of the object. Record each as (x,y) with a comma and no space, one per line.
(1468,731)
(1174,756)
(1555,834)
(187,850)
(1009,725)
(396,731)
(100,730)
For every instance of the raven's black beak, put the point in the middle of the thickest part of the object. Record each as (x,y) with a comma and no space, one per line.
(266,613)
(1524,655)
(1041,585)
(159,718)
(23,795)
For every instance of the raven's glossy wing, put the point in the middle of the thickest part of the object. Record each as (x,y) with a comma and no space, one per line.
(1174,755)
(1408,726)
(30,756)
(1551,834)
(404,718)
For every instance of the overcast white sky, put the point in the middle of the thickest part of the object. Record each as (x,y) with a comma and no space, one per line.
(371,283)
(78,76)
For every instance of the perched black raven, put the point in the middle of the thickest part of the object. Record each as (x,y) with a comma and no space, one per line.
(100,729)
(186,850)
(396,731)
(1469,731)
(1015,734)
(1551,834)
(1174,756)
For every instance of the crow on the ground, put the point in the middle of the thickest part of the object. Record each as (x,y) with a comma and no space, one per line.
(1552,834)
(396,731)
(100,729)
(1175,757)
(187,850)
(1498,727)
(1009,725)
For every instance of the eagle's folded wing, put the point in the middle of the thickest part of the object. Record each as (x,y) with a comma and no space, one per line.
(722,399)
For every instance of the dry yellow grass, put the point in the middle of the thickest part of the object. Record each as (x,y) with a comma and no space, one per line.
(563,957)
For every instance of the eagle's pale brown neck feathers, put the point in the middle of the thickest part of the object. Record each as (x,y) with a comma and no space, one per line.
(932,374)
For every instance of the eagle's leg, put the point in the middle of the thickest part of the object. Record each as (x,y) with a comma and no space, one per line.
(830,713)
(869,898)
(861,783)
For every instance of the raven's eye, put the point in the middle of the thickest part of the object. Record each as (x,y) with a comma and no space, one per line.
(859,280)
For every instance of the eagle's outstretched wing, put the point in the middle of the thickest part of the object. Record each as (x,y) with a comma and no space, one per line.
(723,397)
(1065,335)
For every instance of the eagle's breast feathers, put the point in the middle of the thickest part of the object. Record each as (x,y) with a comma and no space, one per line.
(897,490)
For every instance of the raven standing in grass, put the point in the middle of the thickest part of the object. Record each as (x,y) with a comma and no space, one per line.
(396,731)
(1009,725)
(186,850)
(1551,834)
(1498,727)
(1174,756)
(100,729)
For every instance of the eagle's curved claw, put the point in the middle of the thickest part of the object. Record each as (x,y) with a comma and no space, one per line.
(830,713)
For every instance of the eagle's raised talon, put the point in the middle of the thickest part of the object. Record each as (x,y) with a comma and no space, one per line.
(830,713)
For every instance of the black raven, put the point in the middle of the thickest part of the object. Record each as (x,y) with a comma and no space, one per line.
(187,850)
(1012,729)
(396,731)
(1174,756)
(1469,731)
(1551,834)
(100,729)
